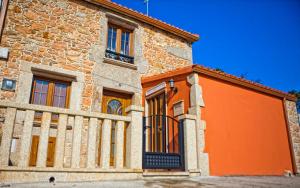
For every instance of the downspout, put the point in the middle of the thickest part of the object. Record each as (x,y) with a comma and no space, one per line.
(289,137)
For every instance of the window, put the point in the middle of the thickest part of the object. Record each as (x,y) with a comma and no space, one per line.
(50,92)
(119,44)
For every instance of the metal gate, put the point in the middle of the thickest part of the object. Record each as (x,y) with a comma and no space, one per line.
(163,143)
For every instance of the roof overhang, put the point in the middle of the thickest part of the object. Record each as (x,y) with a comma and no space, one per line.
(242,82)
(146,19)
(201,70)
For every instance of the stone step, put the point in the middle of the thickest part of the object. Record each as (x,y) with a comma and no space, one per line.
(165,174)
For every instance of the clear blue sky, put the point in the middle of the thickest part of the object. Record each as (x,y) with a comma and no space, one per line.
(257,38)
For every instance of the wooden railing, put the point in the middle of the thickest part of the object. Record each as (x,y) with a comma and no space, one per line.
(83,139)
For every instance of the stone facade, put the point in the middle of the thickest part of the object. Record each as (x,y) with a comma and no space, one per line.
(66,39)
(294,131)
(71,35)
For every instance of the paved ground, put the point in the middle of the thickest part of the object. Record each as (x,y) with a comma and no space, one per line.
(205,182)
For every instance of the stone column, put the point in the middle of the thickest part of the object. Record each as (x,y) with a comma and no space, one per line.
(190,143)
(294,131)
(196,102)
(26,139)
(8,129)
(134,139)
(105,143)
(119,158)
(76,144)
(60,141)
(44,137)
(91,153)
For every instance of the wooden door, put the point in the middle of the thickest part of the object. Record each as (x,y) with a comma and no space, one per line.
(50,152)
(156,113)
(115,103)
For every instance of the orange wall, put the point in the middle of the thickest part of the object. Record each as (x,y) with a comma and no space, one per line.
(246,132)
(182,94)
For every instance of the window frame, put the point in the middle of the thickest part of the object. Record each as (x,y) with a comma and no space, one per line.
(51,89)
(120,30)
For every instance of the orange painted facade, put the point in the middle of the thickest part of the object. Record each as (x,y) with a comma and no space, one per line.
(246,132)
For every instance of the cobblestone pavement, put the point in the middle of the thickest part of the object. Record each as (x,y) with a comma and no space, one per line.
(205,182)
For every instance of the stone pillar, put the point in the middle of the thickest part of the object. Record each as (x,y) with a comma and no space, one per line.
(26,139)
(294,131)
(91,153)
(8,129)
(76,144)
(196,102)
(60,141)
(119,158)
(44,137)
(134,139)
(190,143)
(105,144)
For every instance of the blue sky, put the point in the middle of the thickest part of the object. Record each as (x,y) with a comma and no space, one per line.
(256,38)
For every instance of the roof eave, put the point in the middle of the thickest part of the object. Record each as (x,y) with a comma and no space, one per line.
(242,82)
(146,19)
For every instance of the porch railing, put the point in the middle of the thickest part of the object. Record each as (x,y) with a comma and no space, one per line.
(83,139)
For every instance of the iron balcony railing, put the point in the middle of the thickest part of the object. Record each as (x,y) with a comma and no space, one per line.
(118,56)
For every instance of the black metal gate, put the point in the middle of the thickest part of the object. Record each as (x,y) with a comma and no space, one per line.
(163,143)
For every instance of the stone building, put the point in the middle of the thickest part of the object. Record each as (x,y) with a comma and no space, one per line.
(87,93)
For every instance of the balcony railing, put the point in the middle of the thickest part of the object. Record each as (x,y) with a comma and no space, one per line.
(83,139)
(119,57)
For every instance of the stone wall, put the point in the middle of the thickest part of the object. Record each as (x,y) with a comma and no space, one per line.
(56,33)
(164,52)
(71,35)
(294,130)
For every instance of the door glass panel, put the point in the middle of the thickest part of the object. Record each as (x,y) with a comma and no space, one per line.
(114,107)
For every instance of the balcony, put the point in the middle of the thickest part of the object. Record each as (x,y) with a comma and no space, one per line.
(120,57)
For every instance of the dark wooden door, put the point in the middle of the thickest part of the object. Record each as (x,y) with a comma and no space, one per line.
(156,110)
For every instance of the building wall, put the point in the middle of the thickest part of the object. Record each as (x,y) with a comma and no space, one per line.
(246,132)
(71,35)
(183,92)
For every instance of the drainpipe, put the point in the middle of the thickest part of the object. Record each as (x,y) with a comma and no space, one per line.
(289,136)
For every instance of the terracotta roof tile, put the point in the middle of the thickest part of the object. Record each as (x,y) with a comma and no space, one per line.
(147,19)
(223,76)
